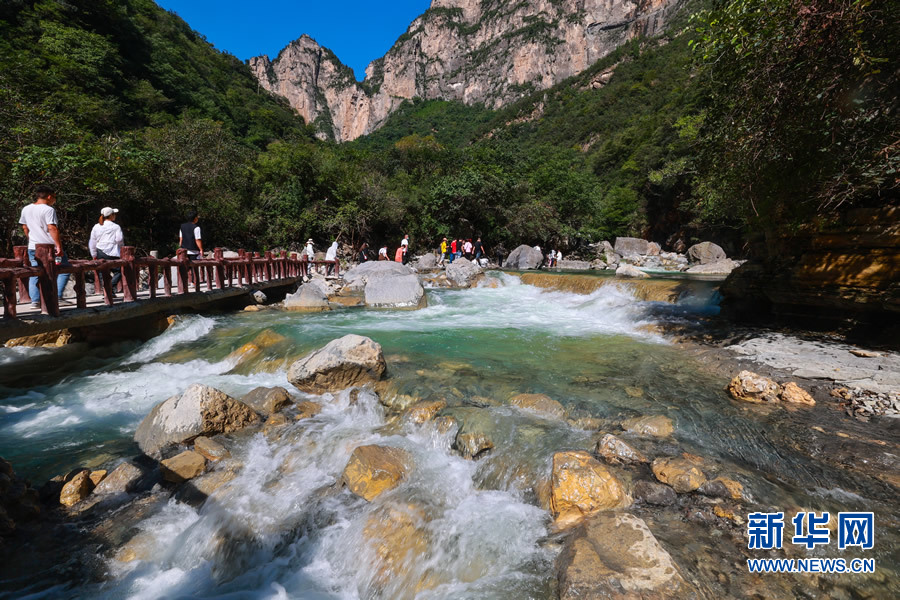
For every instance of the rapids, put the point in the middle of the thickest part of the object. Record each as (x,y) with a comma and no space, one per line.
(283,528)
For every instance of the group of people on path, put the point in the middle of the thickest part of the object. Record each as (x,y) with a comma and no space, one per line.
(458,248)
(401,255)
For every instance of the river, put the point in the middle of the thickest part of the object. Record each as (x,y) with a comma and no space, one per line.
(456,528)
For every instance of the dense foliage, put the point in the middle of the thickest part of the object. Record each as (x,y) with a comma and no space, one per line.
(756,114)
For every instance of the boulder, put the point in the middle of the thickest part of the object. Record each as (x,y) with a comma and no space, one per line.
(373,470)
(721,267)
(628,246)
(307,410)
(747,386)
(598,265)
(98,476)
(658,494)
(427,261)
(654,426)
(185,466)
(581,485)
(420,412)
(722,487)
(653,249)
(680,473)
(614,555)
(210,449)
(794,394)
(260,297)
(124,478)
(200,410)
(614,450)
(77,489)
(706,253)
(399,291)
(356,278)
(310,297)
(267,400)
(345,362)
(612,259)
(524,258)
(630,271)
(395,536)
(463,273)
(539,403)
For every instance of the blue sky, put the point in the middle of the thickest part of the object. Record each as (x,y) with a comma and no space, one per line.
(357,31)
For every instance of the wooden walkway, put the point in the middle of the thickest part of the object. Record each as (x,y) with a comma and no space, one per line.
(178,284)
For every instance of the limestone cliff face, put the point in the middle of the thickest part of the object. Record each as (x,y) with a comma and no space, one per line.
(489,52)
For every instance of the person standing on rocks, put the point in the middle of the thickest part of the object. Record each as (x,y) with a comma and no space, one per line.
(443,252)
(404,245)
(467,249)
(479,249)
(39,223)
(452,251)
(331,255)
(399,254)
(383,253)
(364,253)
(106,242)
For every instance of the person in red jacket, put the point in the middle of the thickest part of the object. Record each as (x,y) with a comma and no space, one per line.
(452,250)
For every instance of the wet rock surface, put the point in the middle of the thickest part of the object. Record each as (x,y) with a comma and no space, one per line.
(580,486)
(345,362)
(373,470)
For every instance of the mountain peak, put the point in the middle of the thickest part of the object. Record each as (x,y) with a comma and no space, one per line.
(489,52)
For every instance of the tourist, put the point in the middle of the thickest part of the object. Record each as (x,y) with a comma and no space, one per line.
(443,251)
(467,249)
(106,243)
(459,248)
(190,236)
(404,244)
(501,254)
(310,251)
(39,223)
(398,256)
(364,252)
(551,258)
(383,253)
(479,249)
(331,255)
(452,251)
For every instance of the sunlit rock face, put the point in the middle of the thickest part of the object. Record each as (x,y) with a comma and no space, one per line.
(477,52)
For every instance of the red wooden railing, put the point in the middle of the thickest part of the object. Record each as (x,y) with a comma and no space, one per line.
(218,273)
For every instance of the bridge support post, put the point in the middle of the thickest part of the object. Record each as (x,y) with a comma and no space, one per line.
(21,253)
(129,275)
(181,257)
(44,254)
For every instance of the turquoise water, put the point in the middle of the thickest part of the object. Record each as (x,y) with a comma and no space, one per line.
(281,530)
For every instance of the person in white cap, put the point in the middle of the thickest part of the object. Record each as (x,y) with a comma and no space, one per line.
(310,251)
(107,240)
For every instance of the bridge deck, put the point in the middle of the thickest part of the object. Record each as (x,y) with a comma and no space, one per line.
(30,321)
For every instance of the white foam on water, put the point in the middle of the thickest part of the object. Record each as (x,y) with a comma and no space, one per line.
(16,354)
(184,330)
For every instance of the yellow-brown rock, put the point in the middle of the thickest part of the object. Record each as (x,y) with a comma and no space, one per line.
(211,449)
(183,467)
(398,540)
(373,470)
(97,477)
(682,474)
(747,386)
(654,426)
(615,450)
(307,410)
(539,403)
(794,394)
(76,489)
(51,339)
(580,486)
(421,412)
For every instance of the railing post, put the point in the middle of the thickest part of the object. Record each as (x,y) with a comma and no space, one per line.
(80,292)
(44,254)
(270,270)
(181,257)
(9,297)
(219,255)
(152,277)
(21,253)
(129,275)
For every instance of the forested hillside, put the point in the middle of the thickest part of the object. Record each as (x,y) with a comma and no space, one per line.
(702,132)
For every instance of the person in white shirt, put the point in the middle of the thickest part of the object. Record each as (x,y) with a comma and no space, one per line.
(39,223)
(106,241)
(405,240)
(310,251)
(383,253)
(331,254)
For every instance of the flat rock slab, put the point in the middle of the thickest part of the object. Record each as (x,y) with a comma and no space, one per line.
(824,360)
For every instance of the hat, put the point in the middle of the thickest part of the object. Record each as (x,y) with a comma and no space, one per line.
(309,241)
(108,212)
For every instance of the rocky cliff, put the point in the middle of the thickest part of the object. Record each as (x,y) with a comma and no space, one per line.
(489,52)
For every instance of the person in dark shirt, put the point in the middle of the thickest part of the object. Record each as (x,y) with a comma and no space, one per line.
(364,252)
(479,249)
(189,237)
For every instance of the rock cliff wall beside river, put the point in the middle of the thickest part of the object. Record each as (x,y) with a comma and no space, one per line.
(845,278)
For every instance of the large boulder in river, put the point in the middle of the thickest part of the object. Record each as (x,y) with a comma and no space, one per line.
(345,362)
(682,474)
(200,410)
(356,278)
(427,261)
(630,271)
(399,291)
(524,258)
(311,297)
(463,272)
(267,401)
(580,486)
(705,253)
(629,246)
(720,267)
(615,555)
